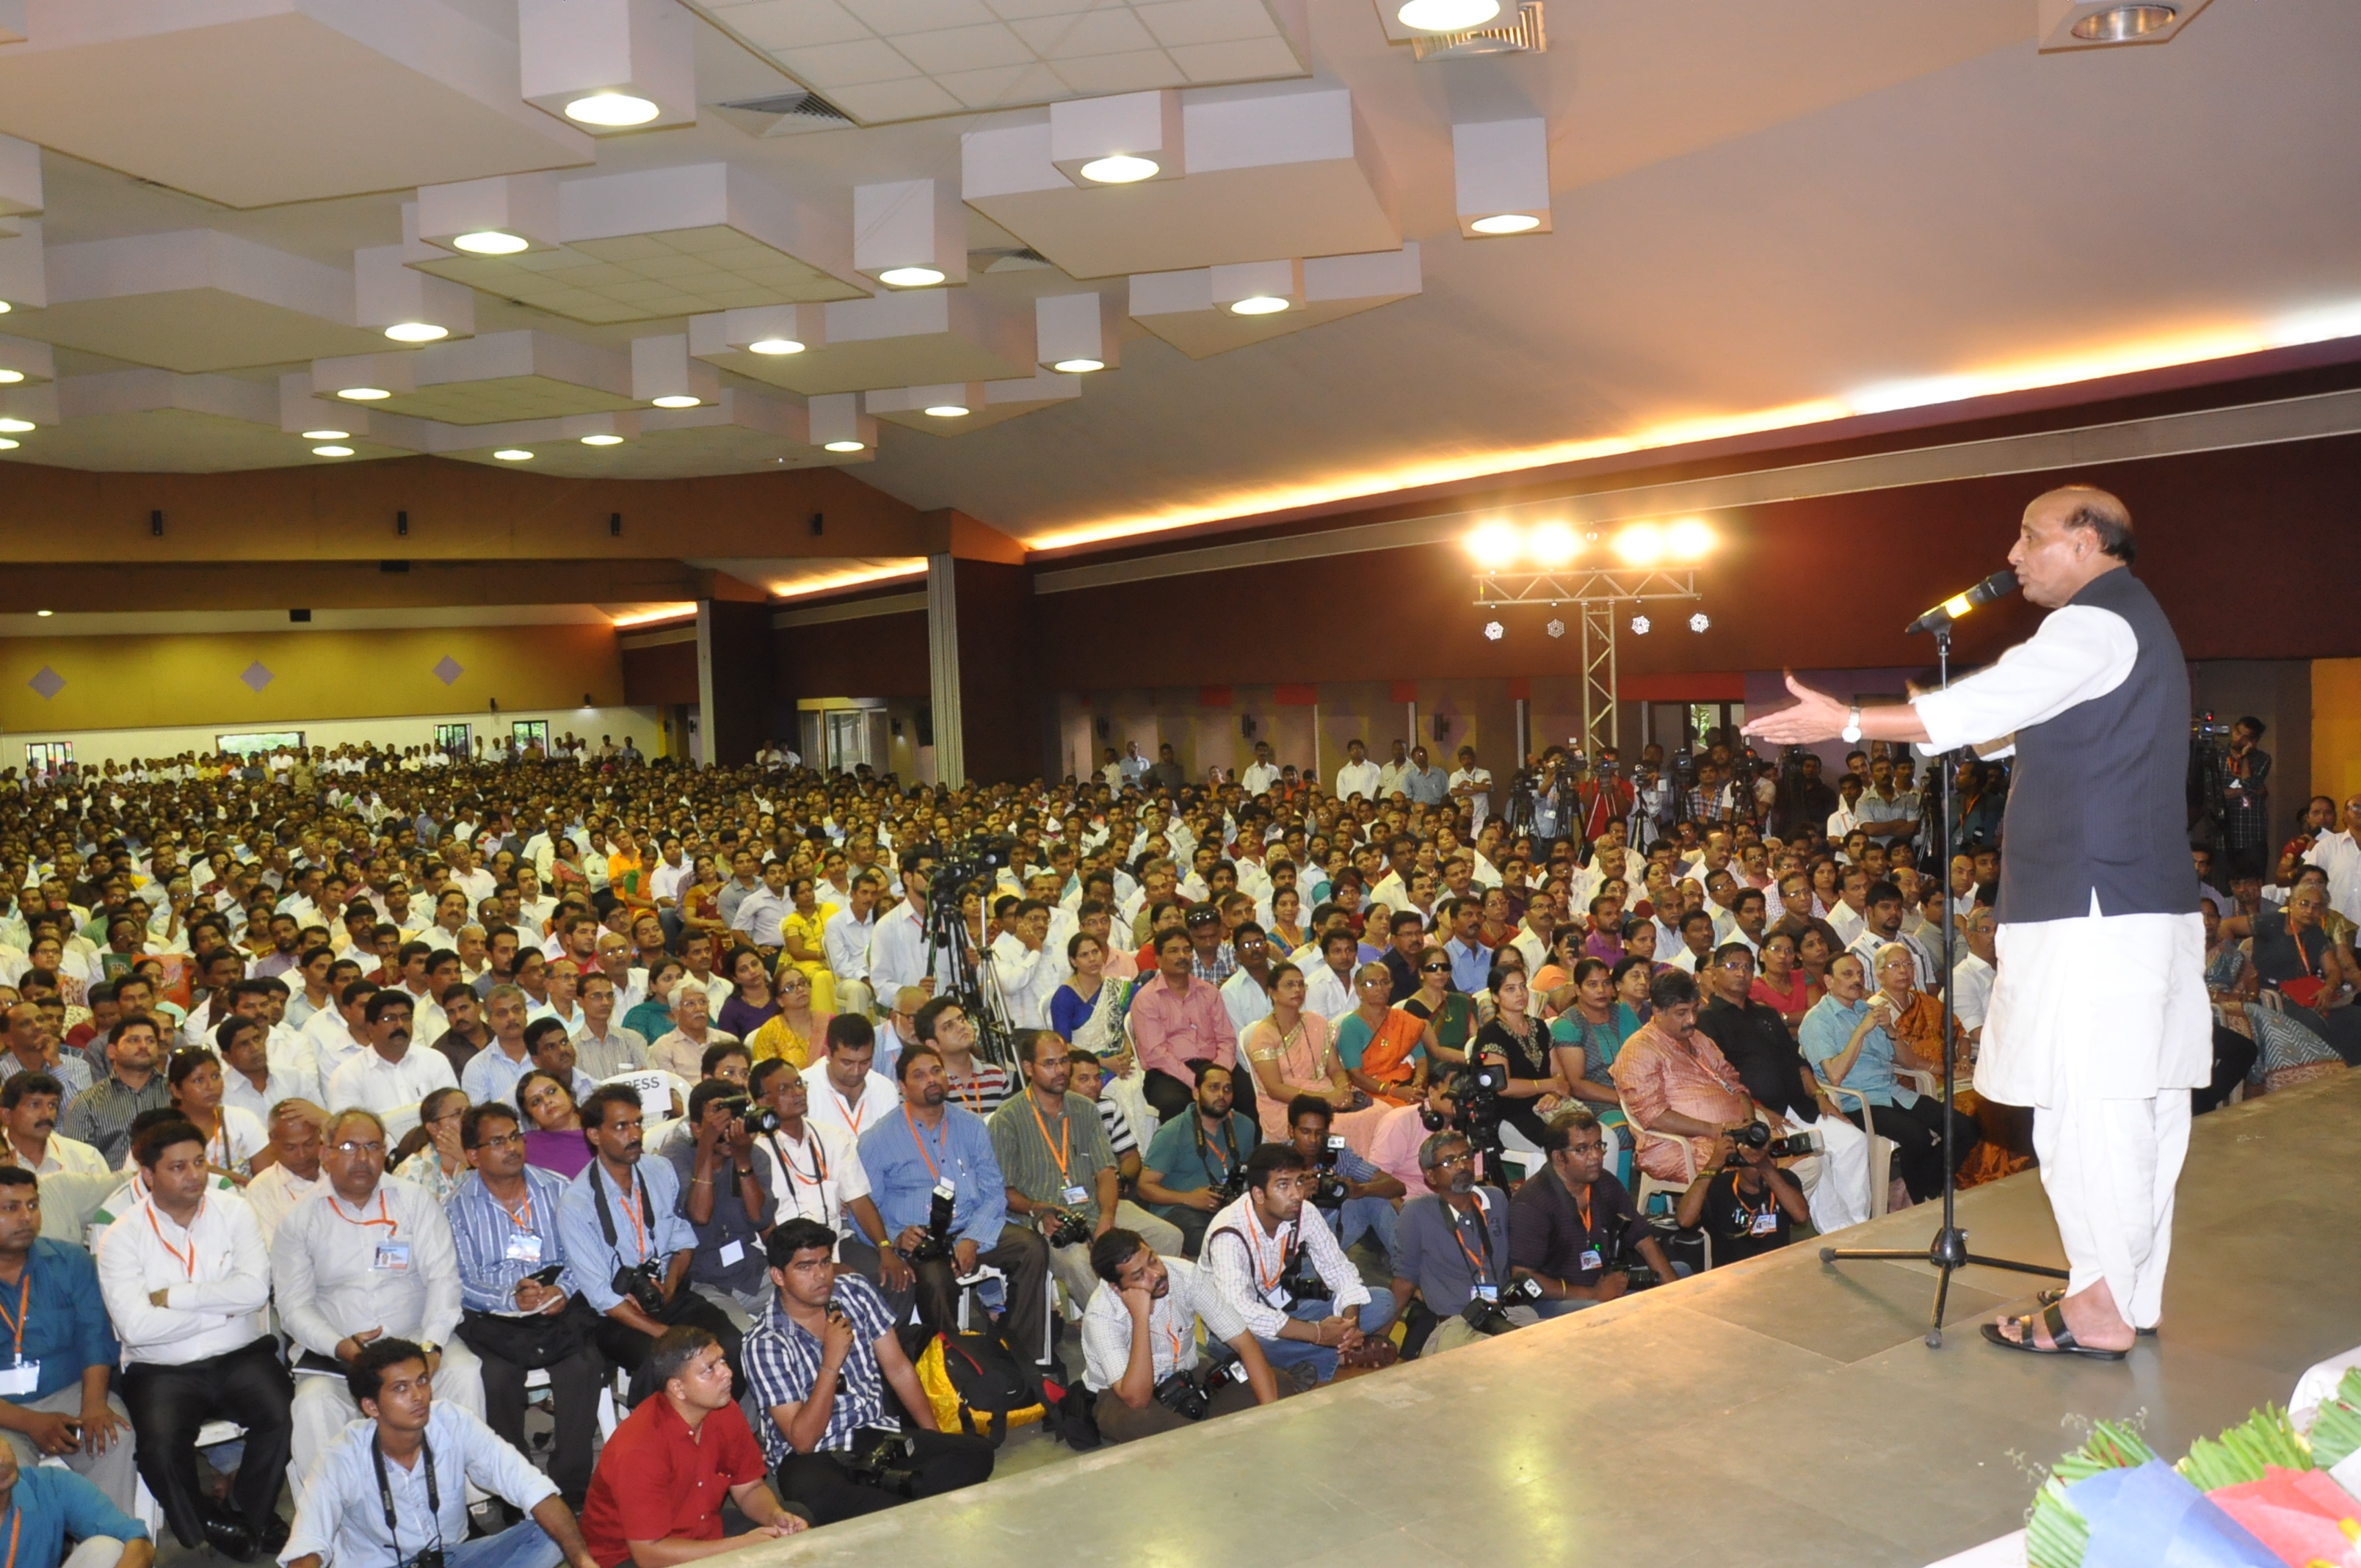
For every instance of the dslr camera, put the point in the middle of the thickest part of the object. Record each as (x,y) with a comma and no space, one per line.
(1190,1395)
(1230,1189)
(1301,1281)
(1491,1316)
(1071,1228)
(1755,1135)
(758,1119)
(883,1457)
(642,1284)
(1327,1187)
(937,1243)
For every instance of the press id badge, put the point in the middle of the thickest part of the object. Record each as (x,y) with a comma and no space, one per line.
(1763,1225)
(1076,1195)
(20,1380)
(392,1257)
(524,1247)
(732,1254)
(1589,1259)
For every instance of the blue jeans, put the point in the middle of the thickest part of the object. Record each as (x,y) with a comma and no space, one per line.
(1375,1216)
(522,1545)
(1286,1353)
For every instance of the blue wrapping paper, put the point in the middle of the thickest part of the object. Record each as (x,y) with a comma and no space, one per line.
(2152,1517)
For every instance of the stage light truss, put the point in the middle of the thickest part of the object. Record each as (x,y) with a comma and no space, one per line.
(1596,592)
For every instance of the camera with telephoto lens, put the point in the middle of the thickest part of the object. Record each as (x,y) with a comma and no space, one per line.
(976,859)
(1301,1280)
(937,1243)
(642,1284)
(884,1458)
(1474,1089)
(1229,1189)
(1190,1395)
(758,1119)
(1327,1187)
(1491,1317)
(1755,1135)
(1071,1228)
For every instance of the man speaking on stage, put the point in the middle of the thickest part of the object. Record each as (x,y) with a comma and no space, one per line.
(2098,1017)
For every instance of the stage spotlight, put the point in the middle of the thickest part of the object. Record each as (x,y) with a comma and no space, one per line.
(1639,625)
(1555,628)
(1688,540)
(1699,621)
(1552,544)
(1642,544)
(1494,631)
(1494,546)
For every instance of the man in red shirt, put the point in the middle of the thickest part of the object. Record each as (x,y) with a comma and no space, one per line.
(655,1499)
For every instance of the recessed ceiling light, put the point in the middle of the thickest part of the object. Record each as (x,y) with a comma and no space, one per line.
(611,109)
(2124,23)
(846,446)
(910,277)
(332,452)
(513,455)
(948,410)
(491,242)
(326,434)
(45,614)
(775,346)
(1447,15)
(7,444)
(1505,223)
(1079,367)
(416,331)
(1258,305)
(12,424)
(675,401)
(6,307)
(363,394)
(10,377)
(598,441)
(1120,170)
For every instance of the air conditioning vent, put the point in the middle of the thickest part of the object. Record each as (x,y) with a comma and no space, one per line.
(782,113)
(1523,35)
(1016,258)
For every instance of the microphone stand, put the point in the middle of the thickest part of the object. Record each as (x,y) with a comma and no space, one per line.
(1948,1253)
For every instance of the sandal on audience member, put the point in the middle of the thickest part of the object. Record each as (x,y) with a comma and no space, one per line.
(2061,1338)
(2057,1293)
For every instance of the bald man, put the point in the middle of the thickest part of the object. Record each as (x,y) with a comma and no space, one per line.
(2098,1017)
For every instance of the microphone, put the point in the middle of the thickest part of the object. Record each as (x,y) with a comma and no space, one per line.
(1998,585)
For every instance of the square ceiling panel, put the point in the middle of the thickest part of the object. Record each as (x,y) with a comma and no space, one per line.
(893,340)
(644,277)
(503,399)
(900,59)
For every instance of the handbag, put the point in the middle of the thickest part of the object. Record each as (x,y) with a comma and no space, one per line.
(530,1342)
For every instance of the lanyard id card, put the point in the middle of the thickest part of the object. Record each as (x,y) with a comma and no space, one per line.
(20,1380)
(523,1246)
(392,1257)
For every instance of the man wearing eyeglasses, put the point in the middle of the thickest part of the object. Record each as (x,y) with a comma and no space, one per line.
(370,1258)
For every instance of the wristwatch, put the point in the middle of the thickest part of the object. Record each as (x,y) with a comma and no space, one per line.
(1852,732)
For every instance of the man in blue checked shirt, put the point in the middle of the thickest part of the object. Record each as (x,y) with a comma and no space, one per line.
(57,1350)
(818,1363)
(504,1226)
(395,1485)
(1370,1196)
(622,1229)
(928,1143)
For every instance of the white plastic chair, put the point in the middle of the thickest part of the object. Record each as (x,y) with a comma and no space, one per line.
(1649,1185)
(664,1095)
(1881,1149)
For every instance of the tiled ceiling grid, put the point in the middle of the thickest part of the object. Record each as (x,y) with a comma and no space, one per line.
(902,60)
(646,276)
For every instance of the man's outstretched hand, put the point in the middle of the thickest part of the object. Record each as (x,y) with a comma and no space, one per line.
(1816,715)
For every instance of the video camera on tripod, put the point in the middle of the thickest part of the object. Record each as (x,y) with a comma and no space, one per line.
(1474,1089)
(947,946)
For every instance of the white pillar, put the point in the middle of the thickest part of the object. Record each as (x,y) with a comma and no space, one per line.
(943,671)
(702,753)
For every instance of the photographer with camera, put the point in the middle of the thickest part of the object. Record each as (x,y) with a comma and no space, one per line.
(1352,1196)
(1453,1252)
(1744,1200)
(1197,1162)
(1574,1225)
(1139,1343)
(1289,1281)
(723,1196)
(1061,1168)
(1752,1037)
(817,1365)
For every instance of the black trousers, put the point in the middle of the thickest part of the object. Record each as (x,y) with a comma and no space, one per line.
(1917,1132)
(169,1404)
(2234,1058)
(1023,1257)
(945,1462)
(573,1384)
(628,1348)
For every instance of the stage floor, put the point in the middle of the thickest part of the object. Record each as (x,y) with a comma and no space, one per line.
(1782,1411)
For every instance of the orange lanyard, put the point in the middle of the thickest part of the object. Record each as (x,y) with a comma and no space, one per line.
(336,1206)
(819,1163)
(24,1308)
(1065,1135)
(1173,1335)
(1582,1207)
(973,1102)
(1254,1245)
(632,1213)
(15,1525)
(931,1170)
(522,1218)
(852,1108)
(188,1264)
(1481,1266)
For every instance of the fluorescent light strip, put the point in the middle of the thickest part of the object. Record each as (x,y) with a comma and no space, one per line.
(837,581)
(661,612)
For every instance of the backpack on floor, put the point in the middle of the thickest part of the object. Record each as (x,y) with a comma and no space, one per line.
(975,1384)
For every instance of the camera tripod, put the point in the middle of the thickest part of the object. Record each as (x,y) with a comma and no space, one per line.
(972,983)
(1948,1253)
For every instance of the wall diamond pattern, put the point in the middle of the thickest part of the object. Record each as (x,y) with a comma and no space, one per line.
(447,669)
(257,676)
(48,682)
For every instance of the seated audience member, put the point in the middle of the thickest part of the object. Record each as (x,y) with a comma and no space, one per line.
(1745,1203)
(1197,1162)
(553,1125)
(728,1061)
(844,1089)
(1139,1329)
(57,1404)
(1370,1197)
(1677,1086)
(1092,1080)
(47,1507)
(1054,1156)
(655,1500)
(1454,1247)
(296,1128)
(552,1050)
(101,1115)
(1845,1039)
(812,1171)
(368,1259)
(492,1073)
(249,1082)
(393,1486)
(29,1104)
(503,1218)
(817,1365)
(724,1198)
(929,1146)
(1573,1226)
(186,1281)
(628,1247)
(467,1036)
(1177,1020)
(1258,1248)
(681,1051)
(1394,1148)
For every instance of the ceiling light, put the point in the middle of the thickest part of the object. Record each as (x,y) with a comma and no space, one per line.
(416,331)
(6,307)
(327,434)
(1698,621)
(491,242)
(775,346)
(332,452)
(1555,628)
(910,277)
(611,109)
(1494,546)
(1122,169)
(1639,625)
(1079,367)
(1494,631)
(2123,23)
(363,394)
(1258,305)
(12,424)
(845,447)
(675,401)
(513,455)
(948,410)
(1553,544)
(598,441)
(7,444)
(1447,15)
(1640,545)
(1688,539)
(45,614)
(1505,223)
(10,377)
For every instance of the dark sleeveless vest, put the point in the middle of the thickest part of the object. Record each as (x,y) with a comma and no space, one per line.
(2098,800)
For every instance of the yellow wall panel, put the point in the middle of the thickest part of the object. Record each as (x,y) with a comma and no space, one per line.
(2336,728)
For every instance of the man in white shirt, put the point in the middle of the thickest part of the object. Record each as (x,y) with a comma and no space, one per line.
(370,1258)
(29,1104)
(186,1282)
(603,1047)
(846,939)
(1140,1327)
(1261,773)
(1328,984)
(1972,976)
(1023,969)
(897,947)
(1847,816)
(1395,774)
(812,1169)
(1248,1246)
(843,1088)
(665,882)
(465,875)
(1473,785)
(295,1128)
(390,1074)
(762,912)
(2339,854)
(340,1034)
(1358,775)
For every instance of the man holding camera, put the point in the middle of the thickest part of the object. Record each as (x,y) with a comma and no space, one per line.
(1454,1251)
(1288,1281)
(1139,1343)
(812,1169)
(1354,1196)
(1574,1227)
(723,1198)
(1744,1201)
(1196,1163)
(1061,1169)
(818,1363)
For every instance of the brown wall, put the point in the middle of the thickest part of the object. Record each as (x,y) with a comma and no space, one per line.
(1003,726)
(663,674)
(882,656)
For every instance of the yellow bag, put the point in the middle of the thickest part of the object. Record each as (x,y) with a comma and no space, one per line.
(975,1386)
